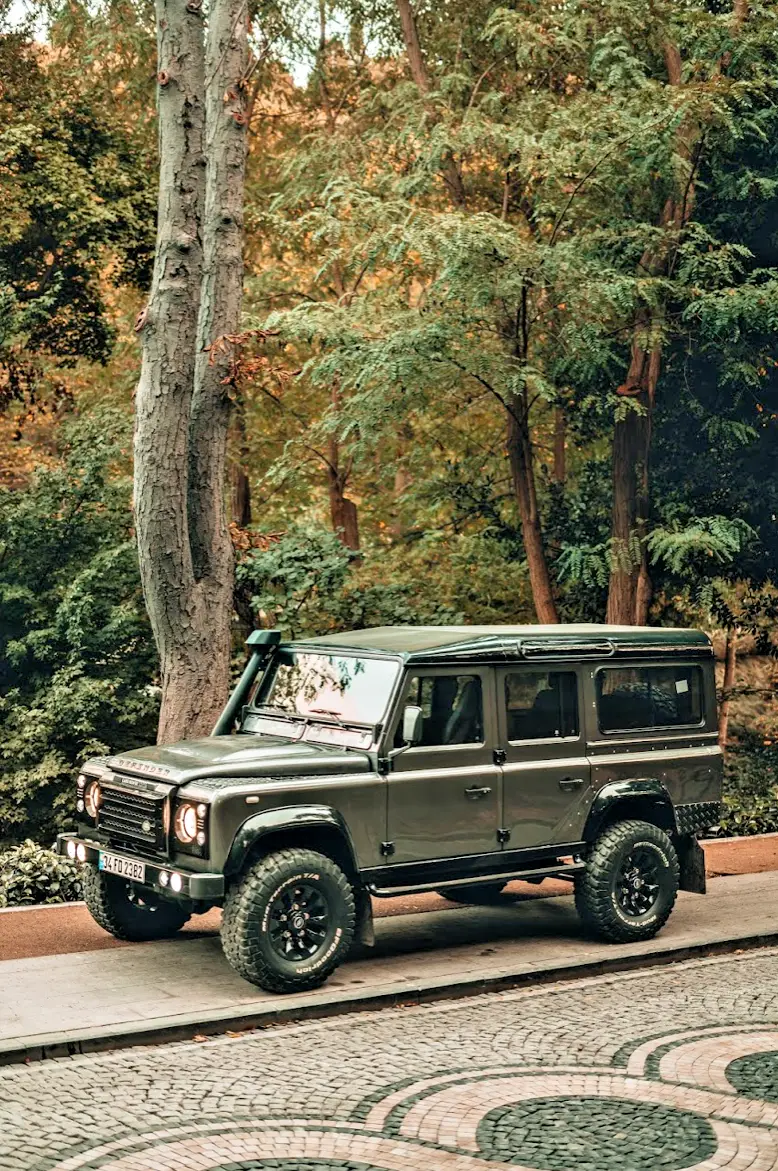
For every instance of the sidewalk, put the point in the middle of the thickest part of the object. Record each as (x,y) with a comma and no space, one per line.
(141,993)
(62,929)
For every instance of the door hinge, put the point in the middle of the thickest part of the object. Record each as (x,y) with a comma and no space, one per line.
(387,849)
(500,756)
(503,836)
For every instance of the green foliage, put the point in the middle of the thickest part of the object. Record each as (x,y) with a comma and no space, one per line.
(77,660)
(77,198)
(307,583)
(31,874)
(750,789)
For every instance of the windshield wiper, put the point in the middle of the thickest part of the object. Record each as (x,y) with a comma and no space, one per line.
(323,711)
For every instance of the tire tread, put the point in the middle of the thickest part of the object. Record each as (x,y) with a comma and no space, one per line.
(240,940)
(593,885)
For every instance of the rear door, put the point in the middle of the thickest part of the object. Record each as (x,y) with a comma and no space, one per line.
(546,774)
(444,795)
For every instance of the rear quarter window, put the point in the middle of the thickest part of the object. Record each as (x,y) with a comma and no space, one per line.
(644,698)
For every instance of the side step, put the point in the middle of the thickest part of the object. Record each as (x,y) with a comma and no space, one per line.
(387,892)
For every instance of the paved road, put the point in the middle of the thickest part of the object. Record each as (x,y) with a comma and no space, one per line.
(655,1071)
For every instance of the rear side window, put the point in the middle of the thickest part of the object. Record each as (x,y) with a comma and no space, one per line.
(541,705)
(649,697)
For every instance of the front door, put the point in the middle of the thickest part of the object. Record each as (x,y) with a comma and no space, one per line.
(546,771)
(444,794)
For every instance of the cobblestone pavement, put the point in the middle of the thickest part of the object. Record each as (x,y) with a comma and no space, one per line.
(654,1071)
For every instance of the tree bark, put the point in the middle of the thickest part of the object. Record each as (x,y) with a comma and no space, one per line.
(169,335)
(343,512)
(630,588)
(181,406)
(730,669)
(560,445)
(520,455)
(420,74)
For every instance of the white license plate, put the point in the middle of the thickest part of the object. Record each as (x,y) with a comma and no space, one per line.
(124,867)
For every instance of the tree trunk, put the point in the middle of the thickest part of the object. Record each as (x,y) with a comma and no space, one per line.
(630,589)
(181,407)
(420,75)
(629,594)
(560,436)
(730,668)
(343,512)
(521,462)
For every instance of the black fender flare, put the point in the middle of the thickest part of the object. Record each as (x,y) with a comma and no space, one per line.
(303,817)
(619,792)
(286,817)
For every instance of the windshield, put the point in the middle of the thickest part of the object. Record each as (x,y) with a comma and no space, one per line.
(344,688)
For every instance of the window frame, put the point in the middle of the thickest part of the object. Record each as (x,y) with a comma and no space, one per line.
(526,669)
(411,754)
(650,729)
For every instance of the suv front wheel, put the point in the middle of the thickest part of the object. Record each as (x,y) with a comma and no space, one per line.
(130,912)
(289,921)
(628,889)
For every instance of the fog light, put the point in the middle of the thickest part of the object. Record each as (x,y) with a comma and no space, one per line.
(176,882)
(80,805)
(81,852)
(164,878)
(71,849)
(201,811)
(201,838)
(81,780)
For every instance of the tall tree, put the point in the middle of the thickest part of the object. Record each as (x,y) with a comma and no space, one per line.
(182,404)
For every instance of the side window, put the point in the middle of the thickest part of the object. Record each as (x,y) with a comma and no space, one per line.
(541,705)
(452,706)
(649,697)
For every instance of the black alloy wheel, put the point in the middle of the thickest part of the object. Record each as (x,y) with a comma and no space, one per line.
(288,921)
(131,912)
(630,883)
(299,922)
(637,882)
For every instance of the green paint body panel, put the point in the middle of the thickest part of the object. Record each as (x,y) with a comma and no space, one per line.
(455,809)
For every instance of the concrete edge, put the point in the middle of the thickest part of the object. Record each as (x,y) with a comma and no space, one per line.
(398,994)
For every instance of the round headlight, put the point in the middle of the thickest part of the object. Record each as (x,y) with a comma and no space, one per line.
(93,799)
(186,823)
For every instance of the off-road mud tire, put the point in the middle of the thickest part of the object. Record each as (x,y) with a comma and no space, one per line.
(248,905)
(596,897)
(110,902)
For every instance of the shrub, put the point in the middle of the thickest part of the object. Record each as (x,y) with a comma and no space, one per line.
(750,804)
(30,873)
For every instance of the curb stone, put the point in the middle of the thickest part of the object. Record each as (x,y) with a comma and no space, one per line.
(185,1027)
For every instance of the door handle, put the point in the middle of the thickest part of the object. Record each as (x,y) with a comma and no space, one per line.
(476,791)
(568,783)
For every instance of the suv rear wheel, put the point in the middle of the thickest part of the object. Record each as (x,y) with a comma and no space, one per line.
(630,883)
(289,921)
(130,912)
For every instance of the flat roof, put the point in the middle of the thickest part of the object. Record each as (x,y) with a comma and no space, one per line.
(501,641)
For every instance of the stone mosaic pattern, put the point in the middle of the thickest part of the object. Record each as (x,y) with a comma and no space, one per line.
(670,1070)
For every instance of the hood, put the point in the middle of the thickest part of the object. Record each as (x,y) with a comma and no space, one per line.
(237,756)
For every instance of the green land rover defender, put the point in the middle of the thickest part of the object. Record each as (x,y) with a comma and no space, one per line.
(403,759)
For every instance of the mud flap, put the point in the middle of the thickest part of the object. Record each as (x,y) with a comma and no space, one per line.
(691,858)
(364,932)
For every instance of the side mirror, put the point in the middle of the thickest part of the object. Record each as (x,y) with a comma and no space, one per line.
(413,725)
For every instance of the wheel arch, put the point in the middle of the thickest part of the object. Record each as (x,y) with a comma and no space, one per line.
(312,827)
(315,827)
(643,799)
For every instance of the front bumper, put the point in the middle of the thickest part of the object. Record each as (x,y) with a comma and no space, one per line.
(195,886)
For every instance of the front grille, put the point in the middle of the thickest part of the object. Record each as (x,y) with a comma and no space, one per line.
(133,821)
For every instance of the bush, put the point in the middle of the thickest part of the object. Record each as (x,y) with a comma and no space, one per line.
(29,873)
(750,790)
